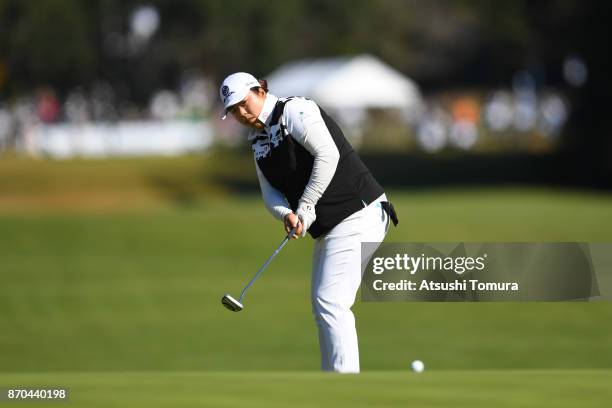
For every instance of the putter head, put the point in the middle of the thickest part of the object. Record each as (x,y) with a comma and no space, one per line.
(231,303)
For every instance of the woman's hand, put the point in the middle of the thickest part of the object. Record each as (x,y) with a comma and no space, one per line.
(292,221)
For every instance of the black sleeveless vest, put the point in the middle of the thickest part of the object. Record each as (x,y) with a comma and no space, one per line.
(287,166)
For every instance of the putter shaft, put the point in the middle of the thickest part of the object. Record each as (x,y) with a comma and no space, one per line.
(263,267)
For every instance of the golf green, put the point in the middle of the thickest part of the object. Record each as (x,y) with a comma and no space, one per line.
(142,290)
(456,388)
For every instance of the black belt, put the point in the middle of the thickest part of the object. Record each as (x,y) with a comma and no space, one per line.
(388,208)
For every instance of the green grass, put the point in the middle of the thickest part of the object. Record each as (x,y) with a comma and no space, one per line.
(119,184)
(141,291)
(476,388)
(122,303)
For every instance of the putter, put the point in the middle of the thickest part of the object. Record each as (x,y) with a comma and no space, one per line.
(236,305)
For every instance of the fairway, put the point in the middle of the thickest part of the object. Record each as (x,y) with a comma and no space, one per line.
(470,389)
(123,306)
(141,291)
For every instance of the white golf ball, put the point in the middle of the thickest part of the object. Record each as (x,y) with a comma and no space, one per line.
(417,366)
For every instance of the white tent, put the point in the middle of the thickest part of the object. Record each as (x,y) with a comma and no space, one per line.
(348,84)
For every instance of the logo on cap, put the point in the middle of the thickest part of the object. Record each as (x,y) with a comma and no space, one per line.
(225,90)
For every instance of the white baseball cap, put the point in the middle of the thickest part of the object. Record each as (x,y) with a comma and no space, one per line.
(235,88)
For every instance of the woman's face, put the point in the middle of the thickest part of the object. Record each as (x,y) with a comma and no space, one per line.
(247,111)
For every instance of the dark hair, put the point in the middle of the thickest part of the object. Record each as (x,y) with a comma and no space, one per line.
(263,84)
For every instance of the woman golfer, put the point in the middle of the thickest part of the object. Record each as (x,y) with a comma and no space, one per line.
(312,180)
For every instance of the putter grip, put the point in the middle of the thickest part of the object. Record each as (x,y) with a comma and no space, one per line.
(290,234)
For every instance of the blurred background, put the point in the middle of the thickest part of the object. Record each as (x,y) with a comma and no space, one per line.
(449,84)
(128,208)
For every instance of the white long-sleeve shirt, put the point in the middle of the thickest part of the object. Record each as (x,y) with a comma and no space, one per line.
(302,119)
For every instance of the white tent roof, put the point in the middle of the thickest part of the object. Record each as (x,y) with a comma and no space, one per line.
(346,83)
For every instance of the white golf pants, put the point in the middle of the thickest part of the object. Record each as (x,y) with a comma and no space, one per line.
(336,276)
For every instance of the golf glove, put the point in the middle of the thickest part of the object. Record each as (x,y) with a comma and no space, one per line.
(306,214)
